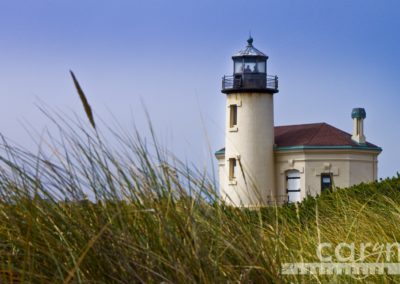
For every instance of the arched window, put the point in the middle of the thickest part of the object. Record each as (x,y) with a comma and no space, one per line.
(293,186)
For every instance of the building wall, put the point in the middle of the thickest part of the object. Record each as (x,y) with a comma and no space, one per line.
(338,164)
(348,167)
(251,143)
(363,168)
(222,177)
(288,161)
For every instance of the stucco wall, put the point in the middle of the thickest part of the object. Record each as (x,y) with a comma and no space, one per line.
(222,176)
(284,162)
(363,168)
(251,143)
(348,167)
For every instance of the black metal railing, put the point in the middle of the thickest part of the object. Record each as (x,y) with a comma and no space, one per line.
(250,81)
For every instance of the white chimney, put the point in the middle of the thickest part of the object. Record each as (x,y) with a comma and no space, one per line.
(358,115)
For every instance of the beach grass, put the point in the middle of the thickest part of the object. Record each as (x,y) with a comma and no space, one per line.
(85,212)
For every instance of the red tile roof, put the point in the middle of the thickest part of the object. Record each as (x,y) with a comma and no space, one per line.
(314,134)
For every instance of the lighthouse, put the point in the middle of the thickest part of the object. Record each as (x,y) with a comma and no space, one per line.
(248,159)
(262,164)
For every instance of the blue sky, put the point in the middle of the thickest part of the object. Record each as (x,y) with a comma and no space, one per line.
(330,56)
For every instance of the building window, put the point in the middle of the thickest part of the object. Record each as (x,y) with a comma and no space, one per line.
(293,186)
(232,168)
(326,182)
(233,116)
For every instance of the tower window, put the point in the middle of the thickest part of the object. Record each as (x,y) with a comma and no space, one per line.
(233,116)
(232,167)
(326,182)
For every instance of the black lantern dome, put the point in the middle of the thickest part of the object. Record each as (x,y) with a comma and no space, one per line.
(250,73)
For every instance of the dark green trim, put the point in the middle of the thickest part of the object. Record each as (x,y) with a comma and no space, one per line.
(291,148)
(362,148)
(220,152)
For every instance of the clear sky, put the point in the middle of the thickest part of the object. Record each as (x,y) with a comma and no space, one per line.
(330,56)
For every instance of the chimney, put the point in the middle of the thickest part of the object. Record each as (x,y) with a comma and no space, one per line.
(358,115)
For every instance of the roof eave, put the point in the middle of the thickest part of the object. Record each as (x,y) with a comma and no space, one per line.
(342,147)
(265,57)
(220,153)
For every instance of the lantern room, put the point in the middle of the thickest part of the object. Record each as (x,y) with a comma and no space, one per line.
(249,72)
(249,60)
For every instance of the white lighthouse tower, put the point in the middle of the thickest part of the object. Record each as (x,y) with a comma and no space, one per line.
(247,164)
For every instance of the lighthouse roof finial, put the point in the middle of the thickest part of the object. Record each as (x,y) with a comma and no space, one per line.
(250,50)
(250,41)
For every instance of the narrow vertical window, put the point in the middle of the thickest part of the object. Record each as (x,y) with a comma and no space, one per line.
(326,182)
(232,167)
(358,127)
(233,116)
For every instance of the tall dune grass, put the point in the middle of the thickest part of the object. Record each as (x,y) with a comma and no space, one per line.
(82,211)
(85,212)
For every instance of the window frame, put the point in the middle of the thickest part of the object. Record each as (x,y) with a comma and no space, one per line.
(233,115)
(232,169)
(323,185)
